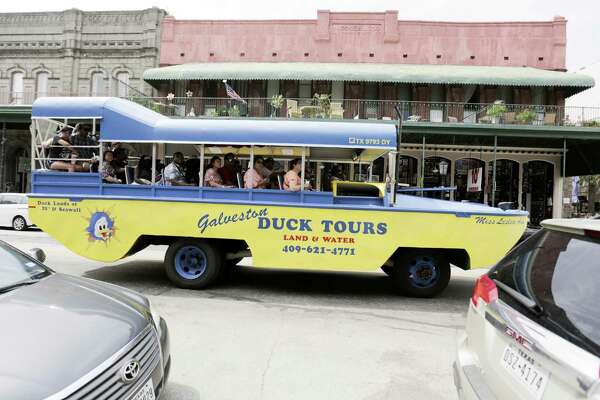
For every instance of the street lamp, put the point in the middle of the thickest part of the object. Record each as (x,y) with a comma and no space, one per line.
(443,168)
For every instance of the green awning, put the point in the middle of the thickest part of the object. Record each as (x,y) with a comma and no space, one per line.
(370,72)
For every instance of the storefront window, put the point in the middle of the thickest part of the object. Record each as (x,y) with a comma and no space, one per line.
(407,171)
(469,180)
(538,185)
(437,174)
(507,182)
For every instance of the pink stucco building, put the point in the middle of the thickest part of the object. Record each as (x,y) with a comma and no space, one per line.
(378,37)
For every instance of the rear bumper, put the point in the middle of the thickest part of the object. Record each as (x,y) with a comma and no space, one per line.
(468,377)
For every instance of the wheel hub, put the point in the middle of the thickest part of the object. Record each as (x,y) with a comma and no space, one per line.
(190,262)
(423,272)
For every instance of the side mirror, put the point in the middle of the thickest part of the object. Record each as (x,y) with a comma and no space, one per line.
(38,254)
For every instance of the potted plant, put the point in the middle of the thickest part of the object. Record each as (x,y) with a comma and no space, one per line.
(276,103)
(526,116)
(324,103)
(496,110)
(234,111)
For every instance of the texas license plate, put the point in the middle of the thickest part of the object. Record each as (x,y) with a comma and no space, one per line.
(524,369)
(145,393)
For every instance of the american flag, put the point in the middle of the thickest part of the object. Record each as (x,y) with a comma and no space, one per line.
(231,93)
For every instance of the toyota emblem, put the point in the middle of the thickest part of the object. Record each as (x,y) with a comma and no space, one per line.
(130,371)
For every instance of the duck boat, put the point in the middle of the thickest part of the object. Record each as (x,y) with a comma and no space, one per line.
(356,226)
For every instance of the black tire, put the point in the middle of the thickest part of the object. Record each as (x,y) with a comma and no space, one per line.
(388,269)
(19,223)
(421,273)
(233,262)
(229,268)
(193,263)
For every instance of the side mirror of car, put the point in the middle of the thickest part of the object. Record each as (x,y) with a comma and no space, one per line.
(38,254)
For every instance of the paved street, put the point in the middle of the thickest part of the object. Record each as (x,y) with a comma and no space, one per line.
(265,334)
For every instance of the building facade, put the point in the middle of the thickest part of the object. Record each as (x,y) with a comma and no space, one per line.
(72,52)
(475,98)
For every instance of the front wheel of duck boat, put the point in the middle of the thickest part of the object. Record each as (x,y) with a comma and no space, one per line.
(421,273)
(193,263)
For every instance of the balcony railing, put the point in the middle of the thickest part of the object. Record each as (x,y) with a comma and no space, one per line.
(411,111)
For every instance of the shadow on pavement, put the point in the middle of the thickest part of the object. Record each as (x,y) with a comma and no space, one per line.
(177,391)
(298,287)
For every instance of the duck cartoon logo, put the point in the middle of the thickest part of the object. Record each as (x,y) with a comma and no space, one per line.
(101,227)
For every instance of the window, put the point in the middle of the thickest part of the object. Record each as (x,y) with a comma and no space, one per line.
(97,83)
(17,87)
(41,84)
(8,199)
(559,271)
(123,84)
(305,89)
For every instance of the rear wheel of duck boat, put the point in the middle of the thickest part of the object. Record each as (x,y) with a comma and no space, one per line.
(193,263)
(421,273)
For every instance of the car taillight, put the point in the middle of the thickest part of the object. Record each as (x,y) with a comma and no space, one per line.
(485,289)
(592,233)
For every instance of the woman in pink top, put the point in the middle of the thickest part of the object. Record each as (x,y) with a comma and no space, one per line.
(212,178)
(252,179)
(292,180)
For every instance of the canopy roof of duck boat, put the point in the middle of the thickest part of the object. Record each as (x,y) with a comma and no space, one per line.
(126,121)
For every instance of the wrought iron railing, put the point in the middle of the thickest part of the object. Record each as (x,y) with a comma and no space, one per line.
(411,111)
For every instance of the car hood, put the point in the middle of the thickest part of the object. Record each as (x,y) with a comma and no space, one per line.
(58,330)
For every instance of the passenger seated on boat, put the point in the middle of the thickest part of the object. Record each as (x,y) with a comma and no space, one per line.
(145,168)
(266,168)
(107,172)
(292,181)
(174,174)
(192,170)
(119,163)
(252,178)
(61,148)
(81,140)
(212,177)
(229,170)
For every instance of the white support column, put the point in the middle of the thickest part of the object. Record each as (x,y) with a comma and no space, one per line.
(520,188)
(201,173)
(318,183)
(302,171)
(452,173)
(153,163)
(557,194)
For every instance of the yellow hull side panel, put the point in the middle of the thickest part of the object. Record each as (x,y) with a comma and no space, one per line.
(282,237)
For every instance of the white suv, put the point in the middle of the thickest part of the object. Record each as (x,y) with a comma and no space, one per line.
(533,326)
(13,211)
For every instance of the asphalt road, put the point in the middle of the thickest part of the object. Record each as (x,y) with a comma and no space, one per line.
(281,334)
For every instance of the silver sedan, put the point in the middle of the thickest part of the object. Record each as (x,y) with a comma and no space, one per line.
(63,337)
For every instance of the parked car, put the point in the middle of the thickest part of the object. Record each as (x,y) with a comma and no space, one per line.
(13,211)
(63,337)
(533,325)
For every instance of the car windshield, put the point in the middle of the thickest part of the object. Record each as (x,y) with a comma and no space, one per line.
(15,267)
(560,272)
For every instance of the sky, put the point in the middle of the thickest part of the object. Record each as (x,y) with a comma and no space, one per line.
(583,28)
